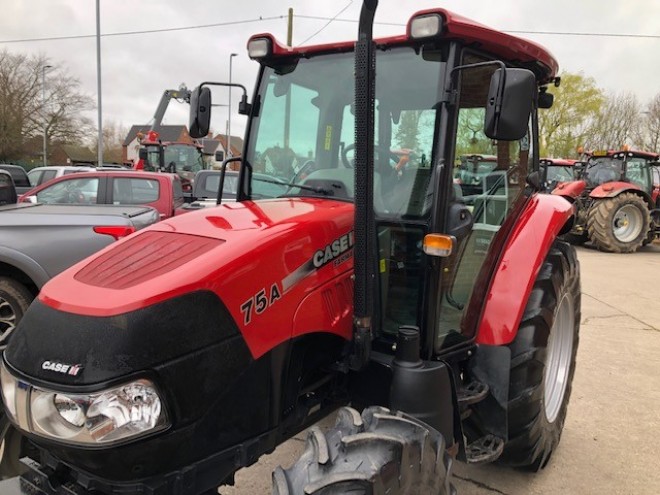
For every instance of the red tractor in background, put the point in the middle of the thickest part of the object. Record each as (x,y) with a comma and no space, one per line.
(616,201)
(166,363)
(556,170)
(155,155)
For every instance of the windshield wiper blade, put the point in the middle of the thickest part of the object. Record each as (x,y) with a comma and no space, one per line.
(317,190)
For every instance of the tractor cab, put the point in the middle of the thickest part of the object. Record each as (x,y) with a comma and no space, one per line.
(624,166)
(304,134)
(556,170)
(183,159)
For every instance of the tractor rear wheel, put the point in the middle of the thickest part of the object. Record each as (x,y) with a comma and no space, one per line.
(543,361)
(379,452)
(14,301)
(619,224)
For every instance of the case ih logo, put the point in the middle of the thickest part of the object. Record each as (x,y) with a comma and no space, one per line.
(333,250)
(65,369)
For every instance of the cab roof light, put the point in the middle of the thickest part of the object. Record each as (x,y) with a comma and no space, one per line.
(259,48)
(426,26)
(440,245)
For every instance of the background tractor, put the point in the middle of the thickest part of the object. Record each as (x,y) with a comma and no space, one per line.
(615,205)
(156,155)
(168,362)
(556,170)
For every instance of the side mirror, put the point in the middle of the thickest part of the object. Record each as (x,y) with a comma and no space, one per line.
(546,99)
(200,112)
(510,99)
(143,154)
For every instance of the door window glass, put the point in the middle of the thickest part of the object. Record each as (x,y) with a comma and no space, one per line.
(73,191)
(489,177)
(134,191)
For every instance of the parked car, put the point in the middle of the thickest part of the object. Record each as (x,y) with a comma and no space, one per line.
(7,188)
(40,175)
(19,176)
(207,183)
(119,187)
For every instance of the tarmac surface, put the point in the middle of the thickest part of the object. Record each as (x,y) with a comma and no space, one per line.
(611,439)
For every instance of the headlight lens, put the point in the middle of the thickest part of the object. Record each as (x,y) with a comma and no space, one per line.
(9,386)
(111,416)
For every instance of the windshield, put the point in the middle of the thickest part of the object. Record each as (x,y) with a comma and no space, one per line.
(184,157)
(560,174)
(603,169)
(306,129)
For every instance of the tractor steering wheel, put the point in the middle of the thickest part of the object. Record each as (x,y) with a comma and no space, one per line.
(378,149)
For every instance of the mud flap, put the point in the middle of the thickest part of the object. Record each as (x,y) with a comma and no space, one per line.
(486,367)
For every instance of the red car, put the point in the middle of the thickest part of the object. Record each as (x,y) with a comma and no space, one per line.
(158,190)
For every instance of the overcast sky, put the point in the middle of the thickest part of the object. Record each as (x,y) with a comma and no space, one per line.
(136,68)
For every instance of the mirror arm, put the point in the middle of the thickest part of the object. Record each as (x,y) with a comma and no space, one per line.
(244,107)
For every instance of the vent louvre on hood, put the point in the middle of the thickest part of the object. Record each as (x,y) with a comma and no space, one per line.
(144,257)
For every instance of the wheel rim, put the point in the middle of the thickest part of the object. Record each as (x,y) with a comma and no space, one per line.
(7,319)
(560,354)
(627,223)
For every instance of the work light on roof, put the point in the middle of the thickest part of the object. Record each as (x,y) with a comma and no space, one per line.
(426,26)
(259,48)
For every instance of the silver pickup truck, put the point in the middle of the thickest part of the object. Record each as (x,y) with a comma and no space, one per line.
(38,241)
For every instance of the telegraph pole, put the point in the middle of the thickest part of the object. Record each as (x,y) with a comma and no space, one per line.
(99,158)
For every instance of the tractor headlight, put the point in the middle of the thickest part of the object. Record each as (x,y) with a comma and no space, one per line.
(110,416)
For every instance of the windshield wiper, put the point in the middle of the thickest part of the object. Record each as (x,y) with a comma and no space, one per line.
(317,190)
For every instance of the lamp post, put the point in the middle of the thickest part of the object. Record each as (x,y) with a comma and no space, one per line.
(43,103)
(228,153)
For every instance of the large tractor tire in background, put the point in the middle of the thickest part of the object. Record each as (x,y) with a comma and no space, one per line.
(379,452)
(543,361)
(14,301)
(619,224)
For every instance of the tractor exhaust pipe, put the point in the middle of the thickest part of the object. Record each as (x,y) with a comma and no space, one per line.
(365,229)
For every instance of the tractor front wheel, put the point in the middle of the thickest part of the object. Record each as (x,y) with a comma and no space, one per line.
(14,301)
(379,452)
(543,361)
(619,224)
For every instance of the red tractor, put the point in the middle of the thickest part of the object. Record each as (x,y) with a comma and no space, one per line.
(169,361)
(556,170)
(616,207)
(183,159)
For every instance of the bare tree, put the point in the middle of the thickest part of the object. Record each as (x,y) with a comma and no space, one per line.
(24,111)
(617,124)
(113,139)
(651,125)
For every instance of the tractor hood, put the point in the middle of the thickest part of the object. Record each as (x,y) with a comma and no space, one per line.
(255,270)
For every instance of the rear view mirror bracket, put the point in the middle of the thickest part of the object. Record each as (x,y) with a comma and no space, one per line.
(201,103)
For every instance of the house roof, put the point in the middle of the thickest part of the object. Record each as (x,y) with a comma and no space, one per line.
(167,132)
(79,153)
(209,145)
(235,141)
